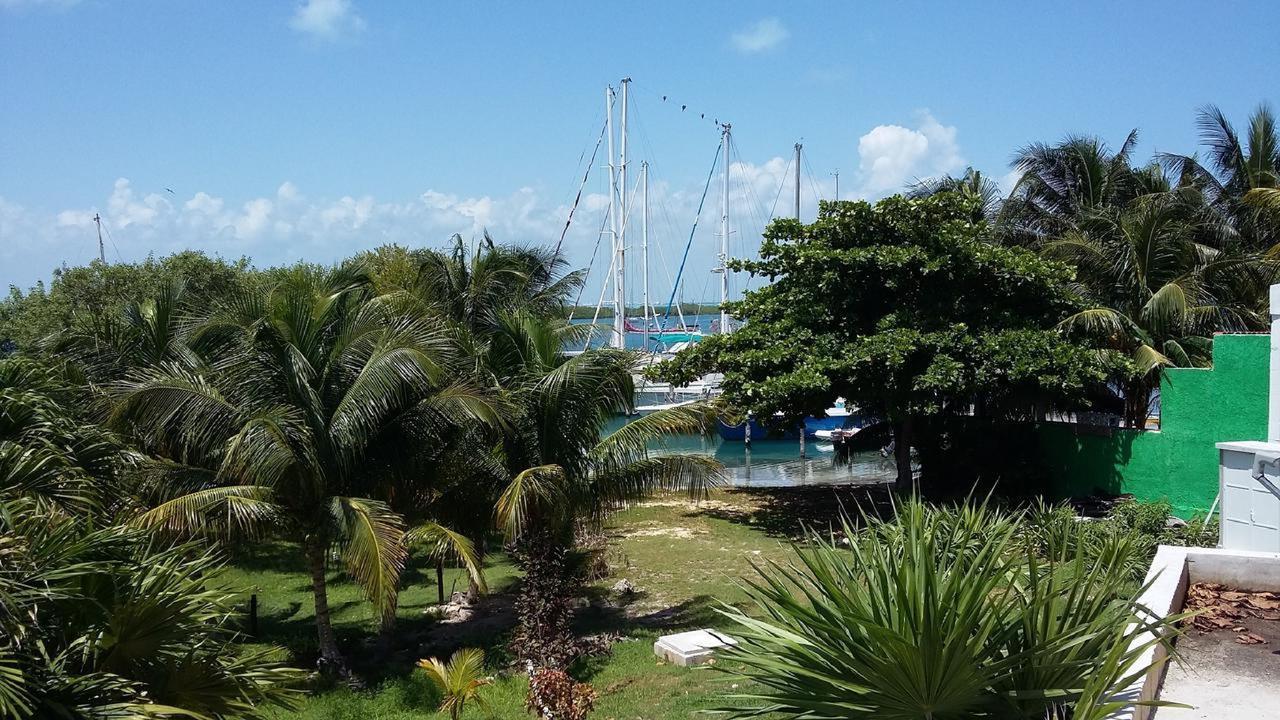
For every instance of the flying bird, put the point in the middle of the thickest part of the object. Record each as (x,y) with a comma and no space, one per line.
(171,192)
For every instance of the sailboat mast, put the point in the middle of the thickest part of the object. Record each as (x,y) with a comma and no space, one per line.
(102,249)
(644,246)
(798,147)
(620,263)
(619,329)
(724,231)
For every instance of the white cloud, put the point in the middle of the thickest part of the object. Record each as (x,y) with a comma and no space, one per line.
(892,156)
(761,35)
(327,19)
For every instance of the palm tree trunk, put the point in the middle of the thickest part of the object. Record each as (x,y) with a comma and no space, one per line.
(331,660)
(902,453)
(440,579)
(473,588)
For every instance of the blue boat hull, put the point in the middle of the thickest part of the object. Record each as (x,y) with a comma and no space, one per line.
(759,431)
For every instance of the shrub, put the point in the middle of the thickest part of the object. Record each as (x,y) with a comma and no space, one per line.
(947,613)
(553,695)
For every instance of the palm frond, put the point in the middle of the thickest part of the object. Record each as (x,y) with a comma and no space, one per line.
(441,542)
(373,548)
(533,491)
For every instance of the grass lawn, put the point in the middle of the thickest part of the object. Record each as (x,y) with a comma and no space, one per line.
(683,558)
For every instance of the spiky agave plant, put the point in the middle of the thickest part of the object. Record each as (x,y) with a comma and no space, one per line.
(943,613)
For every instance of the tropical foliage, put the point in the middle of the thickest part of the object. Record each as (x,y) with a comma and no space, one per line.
(294,383)
(459,680)
(97,619)
(907,310)
(948,613)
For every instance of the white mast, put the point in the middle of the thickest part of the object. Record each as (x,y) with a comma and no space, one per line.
(619,338)
(724,232)
(620,262)
(644,246)
(798,147)
(102,250)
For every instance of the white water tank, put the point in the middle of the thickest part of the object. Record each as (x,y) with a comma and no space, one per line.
(1249,470)
(1250,506)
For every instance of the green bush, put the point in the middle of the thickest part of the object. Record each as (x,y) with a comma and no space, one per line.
(948,613)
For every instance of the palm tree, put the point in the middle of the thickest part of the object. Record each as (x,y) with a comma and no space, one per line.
(973,184)
(1157,287)
(474,292)
(1157,267)
(459,681)
(295,385)
(1240,174)
(146,333)
(567,477)
(1061,181)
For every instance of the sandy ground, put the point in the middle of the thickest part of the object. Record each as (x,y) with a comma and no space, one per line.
(1223,679)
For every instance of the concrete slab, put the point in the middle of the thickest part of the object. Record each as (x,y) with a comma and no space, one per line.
(1222,679)
(691,648)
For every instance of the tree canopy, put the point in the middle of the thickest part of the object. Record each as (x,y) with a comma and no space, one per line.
(907,310)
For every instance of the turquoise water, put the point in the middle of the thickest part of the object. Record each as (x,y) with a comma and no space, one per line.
(768,463)
(774,463)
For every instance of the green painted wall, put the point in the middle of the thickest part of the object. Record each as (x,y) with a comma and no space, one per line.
(1178,462)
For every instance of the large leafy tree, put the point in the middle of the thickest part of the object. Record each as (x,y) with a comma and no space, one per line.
(296,384)
(904,308)
(97,293)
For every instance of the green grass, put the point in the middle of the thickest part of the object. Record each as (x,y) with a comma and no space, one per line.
(684,560)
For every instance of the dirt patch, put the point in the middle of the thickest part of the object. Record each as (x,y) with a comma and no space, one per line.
(683,533)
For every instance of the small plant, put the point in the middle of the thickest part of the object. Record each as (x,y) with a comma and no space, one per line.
(459,680)
(553,695)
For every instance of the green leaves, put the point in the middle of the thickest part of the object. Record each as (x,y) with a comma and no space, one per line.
(943,613)
(373,548)
(459,681)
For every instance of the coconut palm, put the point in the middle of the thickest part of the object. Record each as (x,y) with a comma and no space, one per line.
(973,184)
(146,333)
(1240,173)
(567,477)
(296,383)
(459,680)
(1157,285)
(947,613)
(1061,181)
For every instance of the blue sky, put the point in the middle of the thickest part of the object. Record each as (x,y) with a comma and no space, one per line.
(282,130)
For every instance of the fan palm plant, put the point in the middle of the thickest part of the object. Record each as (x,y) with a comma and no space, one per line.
(295,384)
(459,680)
(566,477)
(945,613)
(100,622)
